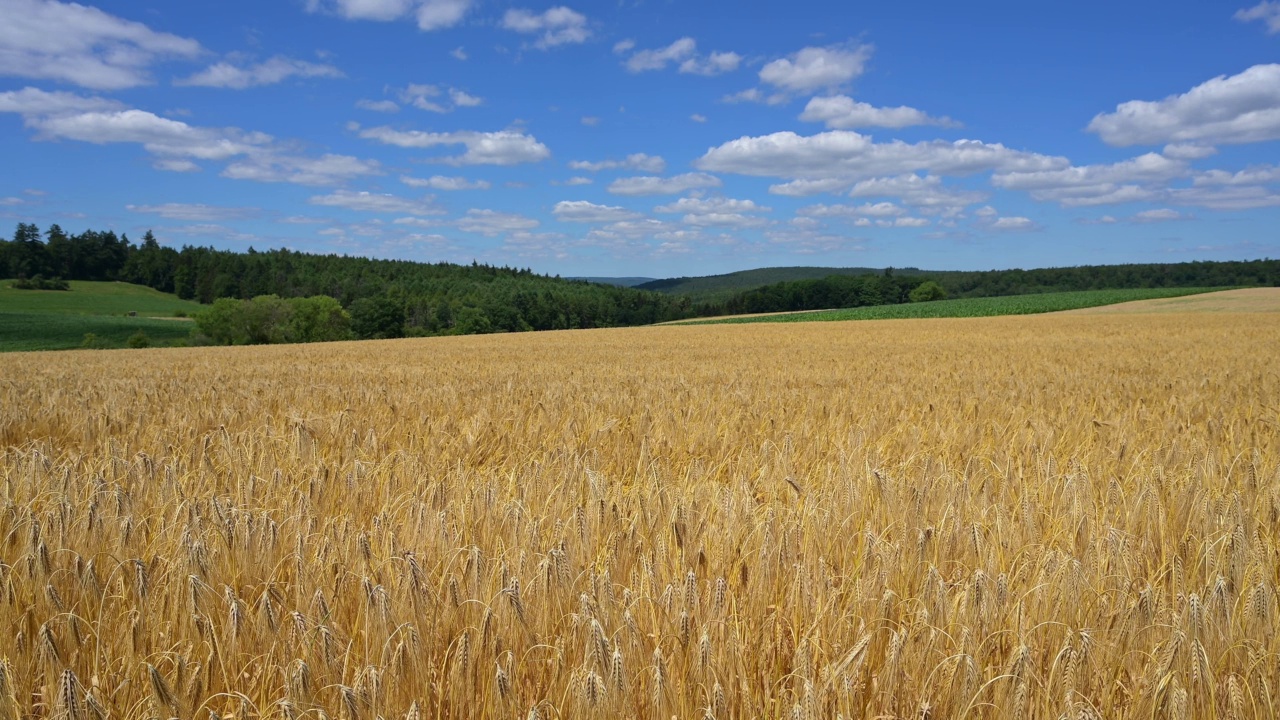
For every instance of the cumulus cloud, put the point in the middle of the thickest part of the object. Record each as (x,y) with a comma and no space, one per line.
(1139,178)
(434,98)
(684,54)
(1013,224)
(491,222)
(504,147)
(429,14)
(82,45)
(925,192)
(1158,215)
(589,212)
(841,112)
(634,161)
(376,203)
(876,210)
(725,212)
(328,169)
(1266,11)
(674,185)
(276,70)
(34,102)
(816,68)
(556,26)
(849,156)
(1243,108)
(441,182)
(194,212)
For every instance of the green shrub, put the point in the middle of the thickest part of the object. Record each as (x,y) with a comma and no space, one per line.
(138,340)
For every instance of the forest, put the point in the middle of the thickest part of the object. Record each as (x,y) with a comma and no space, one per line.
(395,298)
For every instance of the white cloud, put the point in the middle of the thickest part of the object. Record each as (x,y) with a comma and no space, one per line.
(702,206)
(1243,108)
(376,203)
(816,68)
(986,212)
(383,106)
(1266,11)
(194,212)
(1013,224)
(849,156)
(429,14)
(1139,178)
(458,53)
(1256,175)
(804,188)
(623,46)
(82,45)
(698,118)
(717,63)
(1188,151)
(328,169)
(504,147)
(1231,197)
(841,112)
(643,60)
(634,161)
(556,26)
(590,120)
(1158,215)
(432,98)
(723,212)
(11,201)
(577,181)
(275,70)
(462,99)
(166,138)
(876,210)
(490,222)
(684,53)
(31,101)
(440,182)
(589,212)
(674,185)
(926,192)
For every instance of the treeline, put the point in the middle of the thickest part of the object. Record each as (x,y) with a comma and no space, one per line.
(384,298)
(888,287)
(395,298)
(835,291)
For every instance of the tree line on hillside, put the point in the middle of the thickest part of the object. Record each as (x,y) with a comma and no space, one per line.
(888,287)
(384,298)
(286,296)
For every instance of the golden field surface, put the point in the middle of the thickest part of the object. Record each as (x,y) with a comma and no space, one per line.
(1060,516)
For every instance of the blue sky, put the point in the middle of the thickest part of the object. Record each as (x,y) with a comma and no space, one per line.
(657,139)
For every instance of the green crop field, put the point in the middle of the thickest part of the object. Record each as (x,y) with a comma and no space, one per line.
(972,307)
(59,320)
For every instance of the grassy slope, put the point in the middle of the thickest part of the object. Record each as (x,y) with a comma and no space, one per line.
(972,307)
(58,320)
(719,287)
(95,298)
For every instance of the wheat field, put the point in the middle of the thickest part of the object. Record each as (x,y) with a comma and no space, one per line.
(1029,517)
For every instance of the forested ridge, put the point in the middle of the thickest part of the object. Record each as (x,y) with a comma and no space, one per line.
(394,298)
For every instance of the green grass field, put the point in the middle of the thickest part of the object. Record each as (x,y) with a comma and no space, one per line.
(59,320)
(971,307)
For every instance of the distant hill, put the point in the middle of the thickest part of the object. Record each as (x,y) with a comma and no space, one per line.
(619,281)
(720,287)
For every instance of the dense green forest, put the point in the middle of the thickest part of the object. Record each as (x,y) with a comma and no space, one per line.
(394,298)
(389,297)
